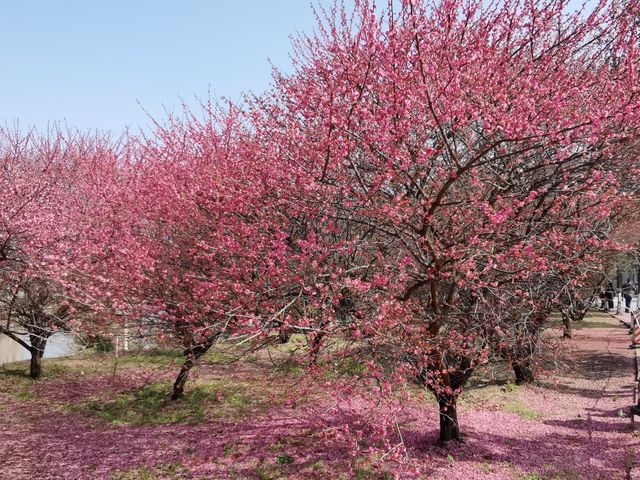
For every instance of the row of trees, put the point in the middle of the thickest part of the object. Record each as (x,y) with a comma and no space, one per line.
(427,186)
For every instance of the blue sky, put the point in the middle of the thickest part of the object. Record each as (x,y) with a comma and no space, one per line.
(89,62)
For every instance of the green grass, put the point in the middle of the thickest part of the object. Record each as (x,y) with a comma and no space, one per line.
(286,442)
(520,409)
(350,367)
(141,473)
(51,368)
(368,468)
(24,395)
(296,343)
(220,356)
(90,362)
(161,470)
(153,358)
(284,459)
(151,405)
(592,322)
(534,476)
(15,379)
(290,366)
(271,470)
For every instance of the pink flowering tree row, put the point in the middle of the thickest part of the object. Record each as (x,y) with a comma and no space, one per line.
(45,193)
(418,195)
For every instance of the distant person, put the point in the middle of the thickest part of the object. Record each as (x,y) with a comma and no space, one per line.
(628,291)
(607,297)
(603,299)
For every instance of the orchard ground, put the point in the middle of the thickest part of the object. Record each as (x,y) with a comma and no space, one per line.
(259,418)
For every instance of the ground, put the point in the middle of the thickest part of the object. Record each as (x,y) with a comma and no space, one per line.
(91,418)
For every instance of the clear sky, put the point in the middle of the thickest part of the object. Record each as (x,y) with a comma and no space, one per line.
(89,62)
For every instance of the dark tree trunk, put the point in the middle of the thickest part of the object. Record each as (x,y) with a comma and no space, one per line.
(284,336)
(449,426)
(178,386)
(193,354)
(524,373)
(38,344)
(566,325)
(447,408)
(314,342)
(36,363)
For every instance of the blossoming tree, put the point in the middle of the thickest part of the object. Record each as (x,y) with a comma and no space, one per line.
(456,152)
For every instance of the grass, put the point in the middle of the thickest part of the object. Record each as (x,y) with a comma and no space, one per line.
(153,358)
(284,459)
(224,389)
(172,471)
(522,410)
(364,469)
(151,405)
(296,342)
(507,397)
(207,398)
(290,367)
(489,395)
(220,356)
(285,442)
(534,476)
(51,368)
(349,367)
(278,469)
(90,362)
(593,319)
(141,473)
(15,379)
(589,323)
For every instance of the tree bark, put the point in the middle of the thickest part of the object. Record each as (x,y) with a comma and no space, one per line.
(193,354)
(566,325)
(449,426)
(36,363)
(178,386)
(38,344)
(447,402)
(284,336)
(524,373)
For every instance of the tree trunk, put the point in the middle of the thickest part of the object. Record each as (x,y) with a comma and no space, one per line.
(524,373)
(36,363)
(566,325)
(193,354)
(38,344)
(284,336)
(449,426)
(178,386)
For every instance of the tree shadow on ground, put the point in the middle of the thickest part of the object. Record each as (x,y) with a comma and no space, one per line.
(594,367)
(597,365)
(22,372)
(592,393)
(594,421)
(556,455)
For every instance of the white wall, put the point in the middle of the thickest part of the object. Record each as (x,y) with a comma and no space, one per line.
(10,351)
(59,345)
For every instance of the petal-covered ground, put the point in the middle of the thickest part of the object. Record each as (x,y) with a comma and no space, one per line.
(86,420)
